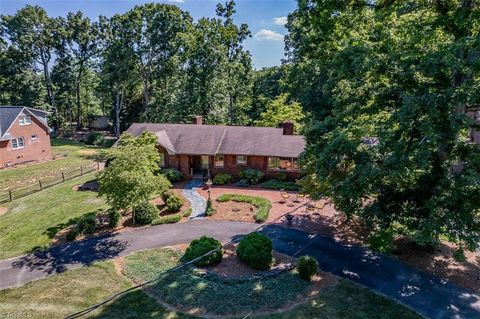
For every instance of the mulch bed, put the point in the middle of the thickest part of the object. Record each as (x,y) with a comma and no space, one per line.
(233,211)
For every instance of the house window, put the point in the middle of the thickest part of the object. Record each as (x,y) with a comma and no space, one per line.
(162,160)
(18,143)
(283,164)
(34,137)
(24,120)
(242,160)
(205,161)
(219,160)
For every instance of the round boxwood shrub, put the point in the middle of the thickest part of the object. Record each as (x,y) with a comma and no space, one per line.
(307,267)
(172,174)
(113,218)
(256,250)
(174,203)
(222,179)
(201,246)
(145,213)
(252,176)
(87,224)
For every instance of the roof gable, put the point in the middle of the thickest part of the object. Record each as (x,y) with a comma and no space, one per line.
(9,114)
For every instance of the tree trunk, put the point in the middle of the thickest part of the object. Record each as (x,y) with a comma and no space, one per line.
(118,107)
(79,108)
(146,98)
(50,94)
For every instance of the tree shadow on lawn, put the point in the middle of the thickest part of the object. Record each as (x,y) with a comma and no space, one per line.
(59,258)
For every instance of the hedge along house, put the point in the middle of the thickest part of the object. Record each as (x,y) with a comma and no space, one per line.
(196,148)
(24,135)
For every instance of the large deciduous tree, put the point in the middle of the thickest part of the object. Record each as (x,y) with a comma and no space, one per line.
(390,85)
(281,110)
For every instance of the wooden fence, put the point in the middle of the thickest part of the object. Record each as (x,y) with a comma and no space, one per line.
(41,184)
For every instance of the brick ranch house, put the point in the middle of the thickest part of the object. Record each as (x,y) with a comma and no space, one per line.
(196,148)
(24,135)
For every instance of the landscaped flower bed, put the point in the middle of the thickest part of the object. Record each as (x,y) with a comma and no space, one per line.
(262,205)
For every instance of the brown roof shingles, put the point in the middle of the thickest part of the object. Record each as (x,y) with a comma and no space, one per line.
(220,139)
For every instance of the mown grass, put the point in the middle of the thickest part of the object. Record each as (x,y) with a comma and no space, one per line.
(74,290)
(73,154)
(263,205)
(31,222)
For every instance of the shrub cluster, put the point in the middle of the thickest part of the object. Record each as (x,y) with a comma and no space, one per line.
(172,174)
(307,267)
(256,250)
(166,194)
(251,175)
(95,138)
(174,203)
(145,213)
(113,218)
(222,179)
(167,219)
(201,246)
(209,210)
(87,224)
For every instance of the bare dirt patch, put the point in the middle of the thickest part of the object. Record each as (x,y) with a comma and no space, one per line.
(3,210)
(88,152)
(233,211)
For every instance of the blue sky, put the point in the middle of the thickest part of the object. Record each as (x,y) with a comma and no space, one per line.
(264,17)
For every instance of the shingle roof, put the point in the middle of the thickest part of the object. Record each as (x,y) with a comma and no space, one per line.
(221,139)
(8,114)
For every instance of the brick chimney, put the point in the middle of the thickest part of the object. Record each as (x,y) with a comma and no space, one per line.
(197,120)
(287,128)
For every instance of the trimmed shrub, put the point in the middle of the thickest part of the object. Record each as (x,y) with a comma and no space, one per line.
(277,184)
(174,203)
(282,176)
(166,195)
(209,210)
(201,246)
(95,138)
(172,174)
(307,267)
(381,241)
(113,218)
(87,224)
(253,176)
(256,250)
(72,235)
(145,213)
(167,219)
(187,212)
(263,205)
(222,179)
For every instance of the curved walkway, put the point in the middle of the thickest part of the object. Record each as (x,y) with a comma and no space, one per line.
(198,203)
(421,292)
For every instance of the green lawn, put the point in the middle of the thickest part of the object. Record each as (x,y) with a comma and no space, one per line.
(63,294)
(71,155)
(31,221)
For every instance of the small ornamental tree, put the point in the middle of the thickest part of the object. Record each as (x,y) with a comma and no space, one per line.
(129,180)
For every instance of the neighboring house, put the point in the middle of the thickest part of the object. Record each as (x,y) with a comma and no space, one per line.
(24,135)
(99,122)
(197,148)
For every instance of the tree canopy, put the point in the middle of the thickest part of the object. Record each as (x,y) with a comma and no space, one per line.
(389,86)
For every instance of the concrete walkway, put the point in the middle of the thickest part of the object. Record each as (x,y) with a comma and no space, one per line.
(420,291)
(198,203)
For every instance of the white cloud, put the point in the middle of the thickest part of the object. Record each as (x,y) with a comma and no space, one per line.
(177,1)
(280,20)
(268,35)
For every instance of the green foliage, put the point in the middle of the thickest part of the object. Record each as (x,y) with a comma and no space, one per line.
(209,210)
(187,212)
(201,246)
(87,224)
(306,267)
(174,203)
(282,176)
(167,219)
(172,174)
(145,213)
(114,217)
(253,176)
(72,235)
(222,179)
(381,241)
(256,250)
(129,179)
(280,110)
(166,195)
(277,184)
(95,138)
(459,255)
(387,121)
(263,205)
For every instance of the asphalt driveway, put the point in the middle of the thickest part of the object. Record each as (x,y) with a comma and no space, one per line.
(420,291)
